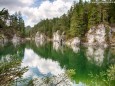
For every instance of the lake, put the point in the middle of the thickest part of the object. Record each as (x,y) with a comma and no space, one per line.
(47,59)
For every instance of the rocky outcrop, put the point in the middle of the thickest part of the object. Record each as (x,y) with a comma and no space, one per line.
(75,41)
(39,39)
(97,35)
(57,37)
(39,36)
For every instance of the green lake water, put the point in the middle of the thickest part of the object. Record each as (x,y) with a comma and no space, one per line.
(54,59)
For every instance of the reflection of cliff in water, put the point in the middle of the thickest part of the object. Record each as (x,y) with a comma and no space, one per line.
(85,61)
(9,50)
(95,55)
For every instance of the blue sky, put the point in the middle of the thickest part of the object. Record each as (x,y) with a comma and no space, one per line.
(35,10)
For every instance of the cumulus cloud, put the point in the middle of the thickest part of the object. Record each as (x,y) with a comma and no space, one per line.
(33,14)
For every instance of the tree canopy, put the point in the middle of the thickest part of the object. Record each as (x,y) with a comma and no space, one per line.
(78,20)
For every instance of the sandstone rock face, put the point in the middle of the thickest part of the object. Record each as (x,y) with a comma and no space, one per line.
(97,35)
(75,41)
(58,37)
(39,37)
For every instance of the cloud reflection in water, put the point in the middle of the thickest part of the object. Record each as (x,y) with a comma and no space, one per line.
(36,63)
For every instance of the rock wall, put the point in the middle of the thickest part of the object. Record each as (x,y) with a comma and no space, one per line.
(75,41)
(57,37)
(97,35)
(39,36)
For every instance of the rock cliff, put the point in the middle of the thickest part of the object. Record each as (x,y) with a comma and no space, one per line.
(98,35)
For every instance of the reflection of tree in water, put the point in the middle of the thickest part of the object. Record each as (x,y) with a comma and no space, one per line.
(10,71)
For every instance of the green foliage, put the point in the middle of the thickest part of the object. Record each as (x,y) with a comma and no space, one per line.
(78,20)
(111,72)
(104,78)
(11,24)
(70,72)
(10,71)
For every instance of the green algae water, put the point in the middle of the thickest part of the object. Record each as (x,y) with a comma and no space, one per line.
(53,59)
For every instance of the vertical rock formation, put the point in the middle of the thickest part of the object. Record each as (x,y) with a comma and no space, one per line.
(58,40)
(39,37)
(73,42)
(57,37)
(98,35)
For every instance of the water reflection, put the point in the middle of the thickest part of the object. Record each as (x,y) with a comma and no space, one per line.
(39,66)
(39,42)
(95,55)
(57,46)
(47,60)
(75,48)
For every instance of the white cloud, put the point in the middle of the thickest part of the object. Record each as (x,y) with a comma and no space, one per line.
(33,14)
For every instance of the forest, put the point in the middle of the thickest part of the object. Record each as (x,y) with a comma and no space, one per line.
(79,19)
(75,23)
(11,24)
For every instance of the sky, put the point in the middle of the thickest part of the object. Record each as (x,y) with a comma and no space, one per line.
(35,10)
